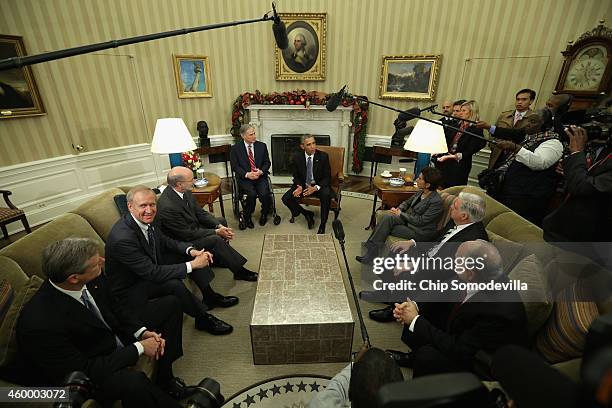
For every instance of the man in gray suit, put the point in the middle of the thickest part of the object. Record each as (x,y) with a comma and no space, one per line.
(183,219)
(415,218)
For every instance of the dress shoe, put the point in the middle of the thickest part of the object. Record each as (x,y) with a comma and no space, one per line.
(309,219)
(218,300)
(263,219)
(249,223)
(246,275)
(365,259)
(212,325)
(402,359)
(382,315)
(177,388)
(321,229)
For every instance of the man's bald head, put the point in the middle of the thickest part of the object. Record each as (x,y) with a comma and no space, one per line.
(555,101)
(180,178)
(491,261)
(447,107)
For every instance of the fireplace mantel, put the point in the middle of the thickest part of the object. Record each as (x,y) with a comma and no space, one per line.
(296,119)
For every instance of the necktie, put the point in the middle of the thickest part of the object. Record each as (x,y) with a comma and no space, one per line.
(455,310)
(517,117)
(309,176)
(94,309)
(251,158)
(151,239)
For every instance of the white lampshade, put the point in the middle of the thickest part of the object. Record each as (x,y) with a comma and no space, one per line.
(171,136)
(426,137)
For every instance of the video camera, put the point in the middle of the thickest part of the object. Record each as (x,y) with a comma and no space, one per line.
(596,121)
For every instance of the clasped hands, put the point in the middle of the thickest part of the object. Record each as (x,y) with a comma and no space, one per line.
(225,232)
(405,312)
(254,175)
(153,344)
(300,191)
(201,258)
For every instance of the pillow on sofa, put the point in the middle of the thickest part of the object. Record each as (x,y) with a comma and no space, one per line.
(121,203)
(8,340)
(536,301)
(6,298)
(510,251)
(100,212)
(562,338)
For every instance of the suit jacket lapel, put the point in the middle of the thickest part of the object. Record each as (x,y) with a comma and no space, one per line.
(140,236)
(72,308)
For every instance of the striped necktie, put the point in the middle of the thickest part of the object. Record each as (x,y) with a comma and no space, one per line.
(251,158)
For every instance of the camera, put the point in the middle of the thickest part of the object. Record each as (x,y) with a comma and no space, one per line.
(596,121)
(207,394)
(78,386)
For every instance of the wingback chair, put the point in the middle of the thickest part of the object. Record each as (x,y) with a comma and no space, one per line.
(336,163)
(10,214)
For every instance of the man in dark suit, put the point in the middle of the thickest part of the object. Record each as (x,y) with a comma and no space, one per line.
(586,214)
(136,251)
(466,212)
(73,324)
(183,219)
(311,177)
(251,163)
(478,320)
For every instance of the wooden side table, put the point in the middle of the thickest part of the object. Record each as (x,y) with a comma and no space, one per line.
(207,195)
(389,196)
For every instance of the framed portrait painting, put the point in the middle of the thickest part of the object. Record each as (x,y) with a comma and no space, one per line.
(304,58)
(410,77)
(19,94)
(192,74)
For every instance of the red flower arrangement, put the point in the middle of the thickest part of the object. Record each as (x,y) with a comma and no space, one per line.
(191,160)
(301,97)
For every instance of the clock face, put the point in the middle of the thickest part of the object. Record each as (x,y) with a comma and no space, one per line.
(587,70)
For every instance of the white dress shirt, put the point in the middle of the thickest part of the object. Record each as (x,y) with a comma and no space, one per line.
(545,155)
(77,294)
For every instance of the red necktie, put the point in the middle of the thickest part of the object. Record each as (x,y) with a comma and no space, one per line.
(251,159)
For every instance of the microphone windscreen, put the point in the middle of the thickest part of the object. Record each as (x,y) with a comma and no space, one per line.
(280,34)
(405,116)
(519,371)
(338,230)
(334,100)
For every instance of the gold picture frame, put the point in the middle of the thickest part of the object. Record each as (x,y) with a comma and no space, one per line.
(304,58)
(19,95)
(192,75)
(410,77)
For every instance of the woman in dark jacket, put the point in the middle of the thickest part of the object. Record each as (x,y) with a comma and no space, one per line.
(457,163)
(415,218)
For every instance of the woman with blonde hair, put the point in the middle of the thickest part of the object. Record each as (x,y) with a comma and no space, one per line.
(457,163)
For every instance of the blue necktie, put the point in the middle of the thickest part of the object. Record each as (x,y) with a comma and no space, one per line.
(151,239)
(309,176)
(94,309)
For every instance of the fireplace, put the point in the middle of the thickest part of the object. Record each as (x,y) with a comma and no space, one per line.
(288,122)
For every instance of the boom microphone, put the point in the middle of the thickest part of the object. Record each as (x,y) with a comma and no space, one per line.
(339,234)
(338,230)
(334,101)
(279,30)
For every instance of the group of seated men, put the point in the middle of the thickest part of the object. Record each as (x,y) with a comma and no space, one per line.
(311,178)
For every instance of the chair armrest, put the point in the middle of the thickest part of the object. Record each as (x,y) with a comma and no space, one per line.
(6,195)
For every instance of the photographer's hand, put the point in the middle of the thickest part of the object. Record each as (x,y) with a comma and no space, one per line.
(578,138)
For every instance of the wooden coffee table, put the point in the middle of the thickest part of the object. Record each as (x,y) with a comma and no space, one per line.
(301,312)
(389,196)
(207,195)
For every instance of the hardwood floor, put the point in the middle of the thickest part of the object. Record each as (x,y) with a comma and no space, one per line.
(357,184)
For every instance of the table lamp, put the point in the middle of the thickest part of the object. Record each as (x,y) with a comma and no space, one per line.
(427,137)
(172,136)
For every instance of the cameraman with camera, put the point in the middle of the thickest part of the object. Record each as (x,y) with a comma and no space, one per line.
(586,214)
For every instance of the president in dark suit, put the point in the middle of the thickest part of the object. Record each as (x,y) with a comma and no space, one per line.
(478,320)
(136,250)
(183,219)
(466,212)
(73,324)
(311,177)
(251,163)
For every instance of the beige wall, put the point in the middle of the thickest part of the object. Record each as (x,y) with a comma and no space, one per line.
(113,98)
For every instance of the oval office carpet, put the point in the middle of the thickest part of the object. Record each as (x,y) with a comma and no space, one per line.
(279,392)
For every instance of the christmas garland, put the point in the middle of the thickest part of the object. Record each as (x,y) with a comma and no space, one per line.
(359,116)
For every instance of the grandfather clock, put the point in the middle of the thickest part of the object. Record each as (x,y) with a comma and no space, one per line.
(587,70)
